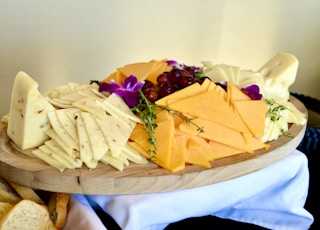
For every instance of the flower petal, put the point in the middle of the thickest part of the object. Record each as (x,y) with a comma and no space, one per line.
(173,63)
(131,98)
(129,82)
(137,86)
(109,87)
(253,92)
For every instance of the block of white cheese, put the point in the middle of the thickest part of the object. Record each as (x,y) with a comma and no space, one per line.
(28,119)
(279,74)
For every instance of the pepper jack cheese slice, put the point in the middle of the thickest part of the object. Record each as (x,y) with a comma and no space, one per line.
(28,121)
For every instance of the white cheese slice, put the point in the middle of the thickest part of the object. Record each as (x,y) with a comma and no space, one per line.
(118,105)
(60,129)
(28,121)
(49,160)
(68,123)
(214,72)
(86,154)
(113,161)
(69,149)
(89,104)
(115,133)
(98,143)
(50,153)
(56,149)
(134,155)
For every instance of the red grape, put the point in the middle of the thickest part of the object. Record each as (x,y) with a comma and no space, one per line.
(170,81)
(166,89)
(186,81)
(163,78)
(175,75)
(147,84)
(151,94)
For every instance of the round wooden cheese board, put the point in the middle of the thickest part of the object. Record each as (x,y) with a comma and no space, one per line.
(20,167)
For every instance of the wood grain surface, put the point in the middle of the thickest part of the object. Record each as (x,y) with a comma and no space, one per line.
(21,167)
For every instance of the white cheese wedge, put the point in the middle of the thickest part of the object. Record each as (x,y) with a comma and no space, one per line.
(28,121)
(279,74)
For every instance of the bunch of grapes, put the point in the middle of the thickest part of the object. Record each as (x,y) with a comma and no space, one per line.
(171,81)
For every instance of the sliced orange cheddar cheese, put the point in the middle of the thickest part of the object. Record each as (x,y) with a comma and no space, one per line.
(164,134)
(178,120)
(256,144)
(230,119)
(115,76)
(177,159)
(201,145)
(218,150)
(236,94)
(159,67)
(212,107)
(206,84)
(217,132)
(142,70)
(141,149)
(163,115)
(196,151)
(187,92)
(253,113)
(140,136)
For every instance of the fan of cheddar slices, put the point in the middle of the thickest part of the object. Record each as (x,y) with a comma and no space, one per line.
(231,121)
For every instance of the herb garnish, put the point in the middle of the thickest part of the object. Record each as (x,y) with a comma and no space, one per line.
(275,109)
(187,119)
(146,110)
(274,112)
(287,133)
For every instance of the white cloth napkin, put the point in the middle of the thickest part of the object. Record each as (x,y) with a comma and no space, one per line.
(272,197)
(81,215)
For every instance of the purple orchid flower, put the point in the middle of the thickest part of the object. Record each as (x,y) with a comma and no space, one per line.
(183,66)
(128,89)
(253,91)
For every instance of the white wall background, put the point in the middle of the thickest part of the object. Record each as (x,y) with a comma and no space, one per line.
(57,41)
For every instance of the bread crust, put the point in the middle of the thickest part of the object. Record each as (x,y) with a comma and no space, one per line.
(28,215)
(19,202)
(58,208)
(7,193)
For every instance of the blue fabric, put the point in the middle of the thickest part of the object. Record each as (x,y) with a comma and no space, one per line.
(310,144)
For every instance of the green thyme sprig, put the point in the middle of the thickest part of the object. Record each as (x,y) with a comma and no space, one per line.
(286,133)
(146,111)
(187,119)
(274,111)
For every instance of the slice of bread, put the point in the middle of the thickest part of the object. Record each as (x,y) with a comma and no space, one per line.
(7,193)
(4,208)
(58,208)
(26,193)
(27,215)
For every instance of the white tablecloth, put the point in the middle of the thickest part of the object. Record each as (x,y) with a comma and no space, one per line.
(272,197)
